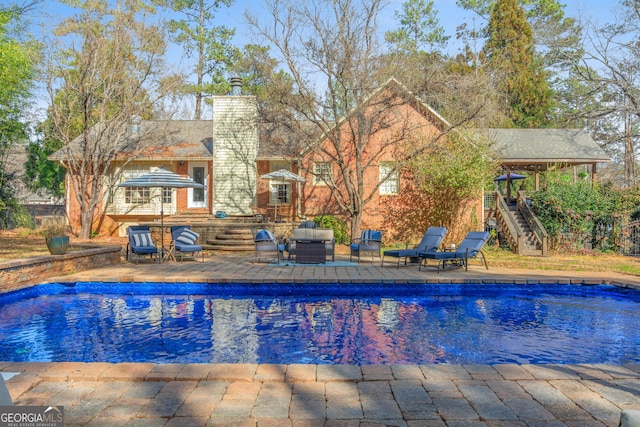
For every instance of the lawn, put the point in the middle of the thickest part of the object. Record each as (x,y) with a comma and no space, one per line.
(596,261)
(25,243)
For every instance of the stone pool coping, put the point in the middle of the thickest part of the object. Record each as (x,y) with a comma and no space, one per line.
(242,269)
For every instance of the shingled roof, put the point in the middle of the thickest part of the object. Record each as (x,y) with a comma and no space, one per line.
(162,139)
(527,148)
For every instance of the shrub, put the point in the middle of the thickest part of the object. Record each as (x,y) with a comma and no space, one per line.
(579,215)
(339,227)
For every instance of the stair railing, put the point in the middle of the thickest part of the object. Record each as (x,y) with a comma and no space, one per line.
(508,224)
(539,232)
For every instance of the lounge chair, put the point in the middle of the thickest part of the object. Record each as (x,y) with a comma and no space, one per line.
(184,242)
(5,397)
(140,242)
(430,243)
(469,248)
(267,245)
(370,241)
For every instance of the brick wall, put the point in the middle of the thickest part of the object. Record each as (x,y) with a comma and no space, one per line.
(21,273)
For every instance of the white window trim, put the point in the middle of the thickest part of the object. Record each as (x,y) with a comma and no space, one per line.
(390,181)
(272,200)
(317,178)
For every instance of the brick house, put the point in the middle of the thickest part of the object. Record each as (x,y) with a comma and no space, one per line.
(398,126)
(229,154)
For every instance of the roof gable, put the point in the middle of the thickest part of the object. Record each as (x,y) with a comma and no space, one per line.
(547,146)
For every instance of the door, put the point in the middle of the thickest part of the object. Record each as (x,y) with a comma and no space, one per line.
(198,196)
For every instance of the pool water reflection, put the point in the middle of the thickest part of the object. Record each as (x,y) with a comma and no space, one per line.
(332,324)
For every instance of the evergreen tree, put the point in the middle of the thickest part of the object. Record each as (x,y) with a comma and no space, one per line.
(18,57)
(209,44)
(510,52)
(419,29)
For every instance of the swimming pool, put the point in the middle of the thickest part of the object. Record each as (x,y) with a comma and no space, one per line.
(321,323)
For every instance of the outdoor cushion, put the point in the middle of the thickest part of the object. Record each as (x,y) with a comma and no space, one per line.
(264,235)
(187,237)
(142,239)
(371,236)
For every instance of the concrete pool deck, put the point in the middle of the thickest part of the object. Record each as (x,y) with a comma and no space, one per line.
(143,394)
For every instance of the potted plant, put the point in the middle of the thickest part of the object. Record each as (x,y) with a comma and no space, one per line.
(54,229)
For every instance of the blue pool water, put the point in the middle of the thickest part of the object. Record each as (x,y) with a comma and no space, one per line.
(325,324)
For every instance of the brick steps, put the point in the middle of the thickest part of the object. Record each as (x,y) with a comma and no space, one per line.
(232,240)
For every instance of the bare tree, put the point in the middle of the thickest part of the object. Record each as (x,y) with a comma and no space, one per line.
(103,74)
(610,69)
(331,50)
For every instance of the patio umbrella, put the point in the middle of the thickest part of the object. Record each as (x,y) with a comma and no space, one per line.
(284,176)
(511,176)
(161,178)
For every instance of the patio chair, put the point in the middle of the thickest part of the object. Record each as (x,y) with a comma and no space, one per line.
(470,247)
(266,244)
(140,242)
(308,224)
(184,242)
(370,241)
(430,243)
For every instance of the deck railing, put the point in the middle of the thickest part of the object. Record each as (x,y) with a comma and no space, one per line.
(539,232)
(508,224)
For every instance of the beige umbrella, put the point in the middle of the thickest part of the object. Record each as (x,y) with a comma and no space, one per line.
(284,176)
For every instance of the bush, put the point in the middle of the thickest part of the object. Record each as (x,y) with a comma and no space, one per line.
(579,215)
(339,227)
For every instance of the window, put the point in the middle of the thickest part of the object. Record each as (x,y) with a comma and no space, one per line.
(280,193)
(276,165)
(389,179)
(322,173)
(137,195)
(167,195)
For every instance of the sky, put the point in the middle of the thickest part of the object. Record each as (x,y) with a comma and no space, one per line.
(449,14)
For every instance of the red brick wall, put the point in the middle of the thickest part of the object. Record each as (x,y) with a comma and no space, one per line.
(408,124)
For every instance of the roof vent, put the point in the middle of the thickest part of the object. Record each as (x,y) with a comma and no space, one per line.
(236,86)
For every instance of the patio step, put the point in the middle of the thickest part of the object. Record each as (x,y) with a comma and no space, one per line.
(232,240)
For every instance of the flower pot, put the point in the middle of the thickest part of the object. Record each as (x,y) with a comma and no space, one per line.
(57,245)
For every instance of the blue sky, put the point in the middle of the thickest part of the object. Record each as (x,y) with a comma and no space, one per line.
(449,14)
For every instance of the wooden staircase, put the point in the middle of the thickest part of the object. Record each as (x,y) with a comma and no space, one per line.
(529,243)
(520,226)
